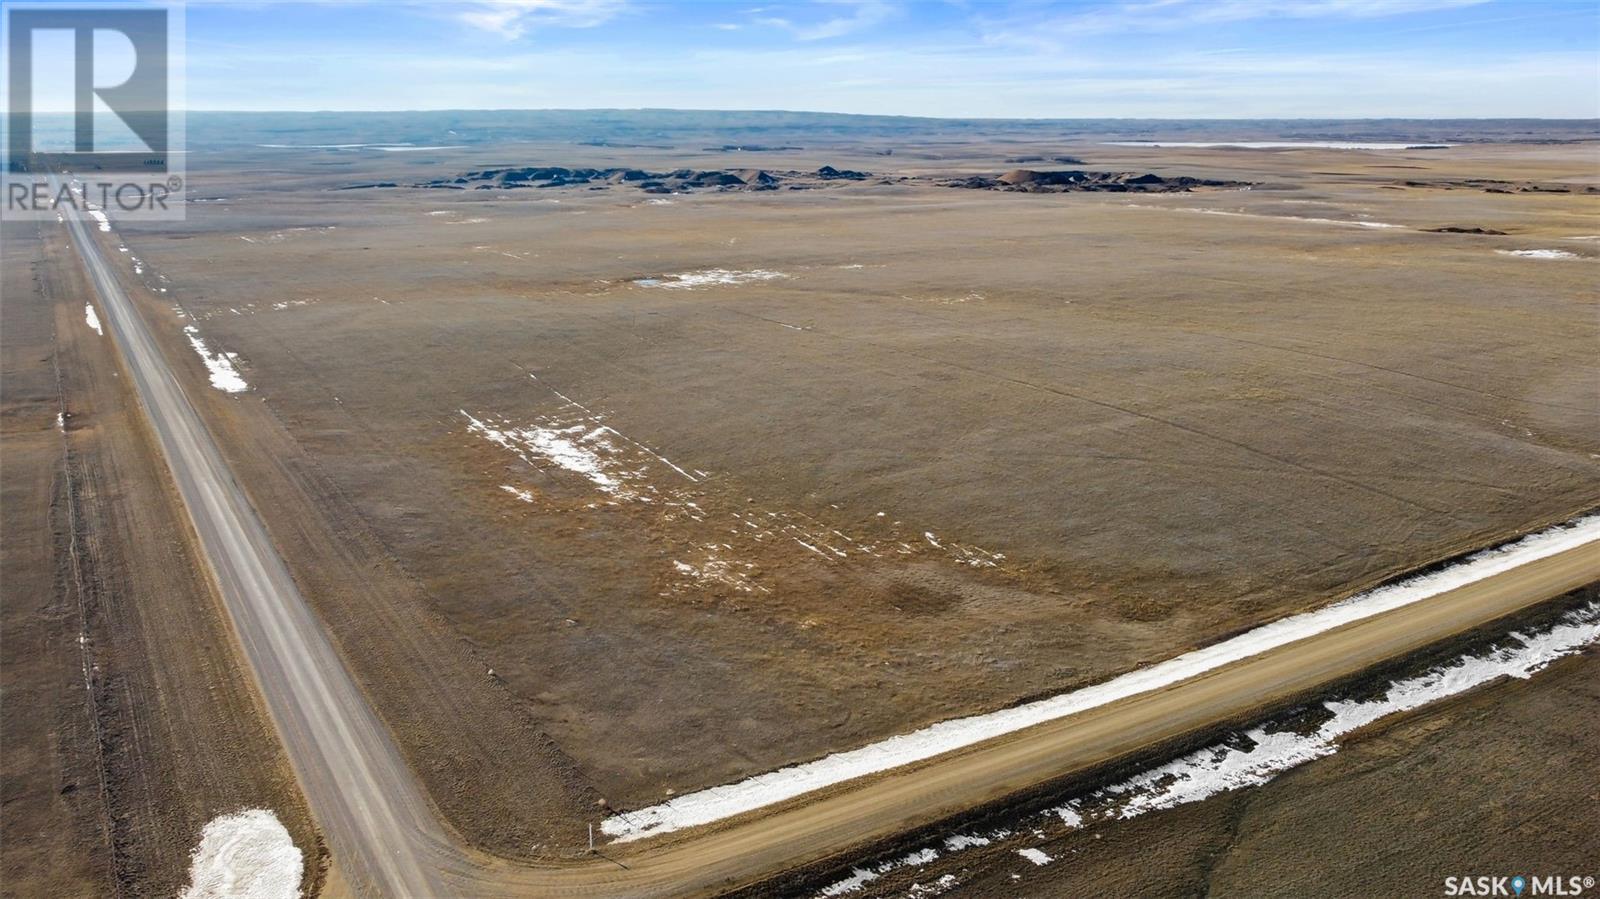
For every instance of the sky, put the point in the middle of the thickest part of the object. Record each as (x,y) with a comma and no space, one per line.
(1028,59)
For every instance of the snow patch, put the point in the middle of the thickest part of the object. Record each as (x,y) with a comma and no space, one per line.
(222,365)
(387,148)
(1274,144)
(1037,856)
(92,319)
(716,803)
(245,855)
(714,566)
(860,877)
(583,451)
(938,888)
(708,278)
(719,538)
(100,217)
(1255,215)
(1540,254)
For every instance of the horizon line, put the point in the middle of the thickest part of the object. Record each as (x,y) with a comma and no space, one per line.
(867,115)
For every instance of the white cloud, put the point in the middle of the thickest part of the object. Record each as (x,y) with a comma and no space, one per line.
(1237,10)
(861,15)
(512,19)
(960,80)
(947,72)
(1172,15)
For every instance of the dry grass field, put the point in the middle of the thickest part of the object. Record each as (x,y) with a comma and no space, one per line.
(607,495)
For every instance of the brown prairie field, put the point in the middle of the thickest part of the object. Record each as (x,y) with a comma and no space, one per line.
(588,532)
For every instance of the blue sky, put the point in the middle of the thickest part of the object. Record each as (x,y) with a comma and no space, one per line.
(1130,58)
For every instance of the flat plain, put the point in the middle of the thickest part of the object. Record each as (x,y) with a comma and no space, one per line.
(607,495)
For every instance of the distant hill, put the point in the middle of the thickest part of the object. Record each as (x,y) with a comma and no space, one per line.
(677,128)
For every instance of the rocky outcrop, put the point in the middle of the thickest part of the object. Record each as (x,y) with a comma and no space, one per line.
(1061,181)
(753,179)
(677,181)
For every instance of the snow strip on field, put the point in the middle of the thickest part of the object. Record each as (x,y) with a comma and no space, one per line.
(714,543)
(1263,755)
(98,216)
(863,876)
(1255,757)
(708,278)
(1254,215)
(93,319)
(1272,144)
(387,148)
(1540,254)
(245,855)
(928,890)
(580,449)
(224,373)
(725,801)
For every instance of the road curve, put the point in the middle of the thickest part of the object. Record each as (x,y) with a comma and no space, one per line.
(385,836)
